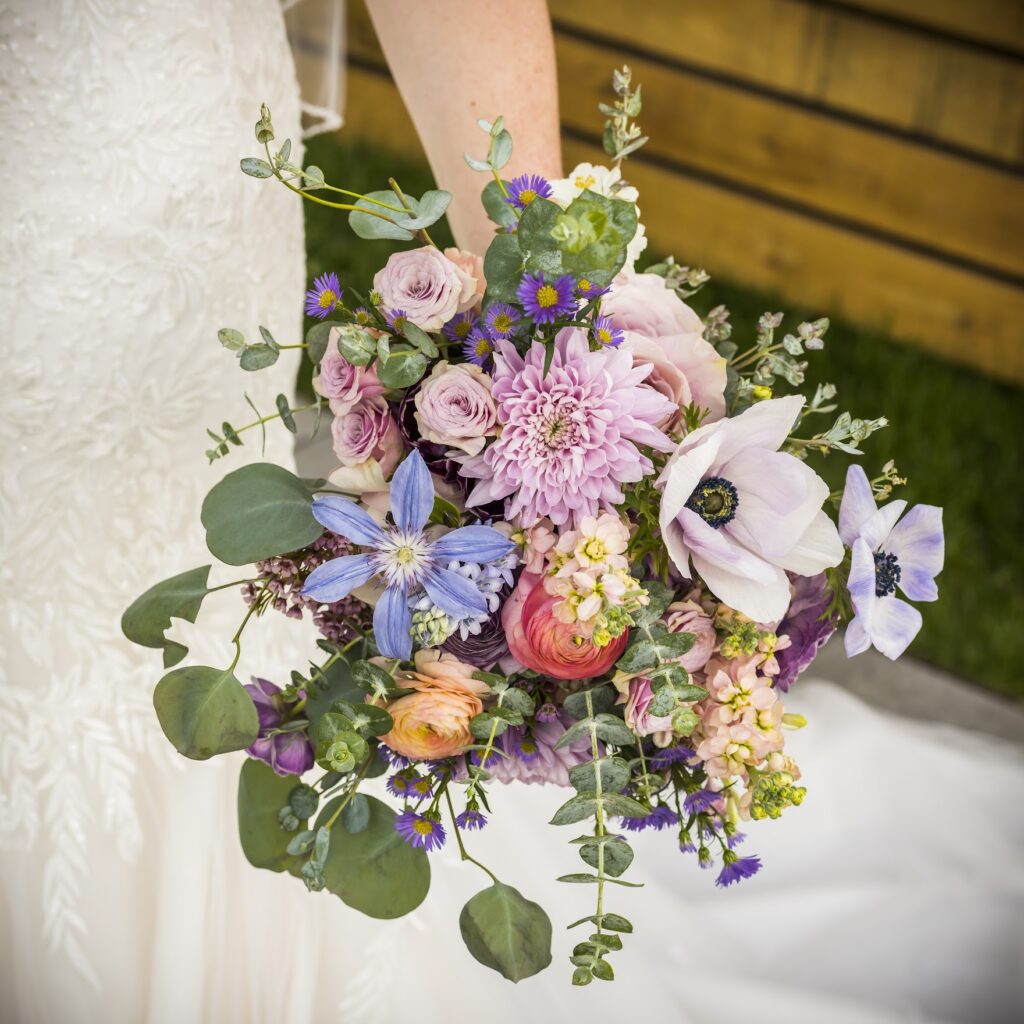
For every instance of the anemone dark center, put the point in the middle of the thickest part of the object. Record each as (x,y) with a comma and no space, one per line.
(887,574)
(715,500)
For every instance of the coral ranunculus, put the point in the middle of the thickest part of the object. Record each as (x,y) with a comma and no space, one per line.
(538,640)
(433,722)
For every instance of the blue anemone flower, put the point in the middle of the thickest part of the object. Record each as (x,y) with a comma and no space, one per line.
(403,556)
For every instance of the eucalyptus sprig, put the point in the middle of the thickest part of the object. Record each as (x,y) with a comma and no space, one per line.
(622,135)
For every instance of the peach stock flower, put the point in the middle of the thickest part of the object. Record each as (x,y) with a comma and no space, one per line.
(434,721)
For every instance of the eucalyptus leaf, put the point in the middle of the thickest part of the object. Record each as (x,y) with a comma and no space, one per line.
(659,597)
(501,149)
(256,168)
(258,357)
(367,225)
(503,268)
(516,699)
(500,211)
(403,368)
(317,338)
(356,815)
(231,339)
(256,512)
(430,208)
(601,699)
(205,711)
(149,615)
(618,855)
(423,341)
(330,685)
(579,877)
(614,773)
(584,805)
(507,932)
(261,795)
(268,338)
(374,870)
(614,730)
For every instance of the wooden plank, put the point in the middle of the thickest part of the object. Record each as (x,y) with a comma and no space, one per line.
(959,315)
(887,184)
(997,23)
(931,88)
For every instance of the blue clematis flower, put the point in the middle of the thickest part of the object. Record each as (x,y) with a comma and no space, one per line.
(404,557)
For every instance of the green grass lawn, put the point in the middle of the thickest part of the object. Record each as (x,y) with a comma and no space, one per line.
(953,433)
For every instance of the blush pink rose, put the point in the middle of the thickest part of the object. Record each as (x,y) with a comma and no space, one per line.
(539,641)
(471,265)
(454,407)
(343,384)
(427,286)
(367,431)
(639,718)
(689,617)
(663,332)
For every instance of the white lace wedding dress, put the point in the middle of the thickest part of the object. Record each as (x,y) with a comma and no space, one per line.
(128,236)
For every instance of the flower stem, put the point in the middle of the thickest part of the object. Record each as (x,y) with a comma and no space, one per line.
(463,853)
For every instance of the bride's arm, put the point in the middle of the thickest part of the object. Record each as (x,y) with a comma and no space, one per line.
(457,60)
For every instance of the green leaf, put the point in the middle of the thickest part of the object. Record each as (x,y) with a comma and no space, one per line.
(332,684)
(536,242)
(258,357)
(285,412)
(575,732)
(611,922)
(231,339)
(356,345)
(584,805)
(205,711)
(268,338)
(372,679)
(614,730)
(256,512)
(375,871)
(497,209)
(659,598)
(514,698)
(601,699)
(356,815)
(579,877)
(402,368)
(507,932)
(312,178)
(423,341)
(444,513)
(149,615)
(639,656)
(261,795)
(501,150)
(618,855)
(367,225)
(430,208)
(503,268)
(317,338)
(614,775)
(255,167)
(367,719)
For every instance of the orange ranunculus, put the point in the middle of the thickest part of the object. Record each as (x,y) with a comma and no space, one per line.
(541,642)
(433,722)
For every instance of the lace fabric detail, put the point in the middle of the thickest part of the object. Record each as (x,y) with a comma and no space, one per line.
(128,237)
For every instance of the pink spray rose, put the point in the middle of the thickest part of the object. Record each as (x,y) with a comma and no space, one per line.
(343,384)
(689,617)
(540,641)
(639,718)
(427,286)
(367,431)
(454,407)
(660,330)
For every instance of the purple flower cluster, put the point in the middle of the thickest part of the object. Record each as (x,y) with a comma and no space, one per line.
(284,576)
(287,751)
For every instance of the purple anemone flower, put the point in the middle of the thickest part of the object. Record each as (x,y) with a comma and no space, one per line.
(404,556)
(807,627)
(323,298)
(523,189)
(288,752)
(501,319)
(421,831)
(605,333)
(887,554)
(471,819)
(544,300)
(478,347)
(736,869)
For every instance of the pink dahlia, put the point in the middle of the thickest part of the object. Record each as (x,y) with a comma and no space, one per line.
(569,438)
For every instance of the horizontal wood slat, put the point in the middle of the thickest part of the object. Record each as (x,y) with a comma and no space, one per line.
(929,87)
(955,313)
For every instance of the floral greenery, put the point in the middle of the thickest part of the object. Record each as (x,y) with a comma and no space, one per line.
(931,404)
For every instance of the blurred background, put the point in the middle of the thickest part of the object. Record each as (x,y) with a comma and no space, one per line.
(857,159)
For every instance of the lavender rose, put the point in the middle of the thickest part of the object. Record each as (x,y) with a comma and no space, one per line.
(454,407)
(343,384)
(367,431)
(427,286)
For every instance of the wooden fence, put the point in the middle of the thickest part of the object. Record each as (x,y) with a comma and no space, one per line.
(864,157)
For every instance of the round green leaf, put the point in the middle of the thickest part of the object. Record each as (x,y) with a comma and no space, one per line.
(205,711)
(256,512)
(402,368)
(507,932)
(369,225)
(375,870)
(261,795)
(149,615)
(257,168)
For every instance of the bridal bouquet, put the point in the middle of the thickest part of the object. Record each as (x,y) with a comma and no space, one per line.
(575,536)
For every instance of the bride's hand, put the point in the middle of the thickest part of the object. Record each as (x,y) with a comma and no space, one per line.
(458,60)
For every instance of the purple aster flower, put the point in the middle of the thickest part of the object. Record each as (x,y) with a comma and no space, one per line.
(587,289)
(887,554)
(806,626)
(701,802)
(471,819)
(672,755)
(735,839)
(460,326)
(323,298)
(605,333)
(659,818)
(736,869)
(404,556)
(393,759)
(547,712)
(409,783)
(544,300)
(361,315)
(421,831)
(396,319)
(289,752)
(523,189)
(501,319)
(570,438)
(523,745)
(686,845)
(478,347)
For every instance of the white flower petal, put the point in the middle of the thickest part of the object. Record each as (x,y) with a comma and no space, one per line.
(893,625)
(761,601)
(876,528)
(858,504)
(818,548)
